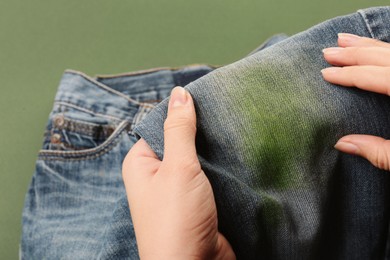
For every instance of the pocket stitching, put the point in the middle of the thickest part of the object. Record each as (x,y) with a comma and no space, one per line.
(68,104)
(87,153)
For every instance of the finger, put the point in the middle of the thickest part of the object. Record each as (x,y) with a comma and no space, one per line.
(180,128)
(140,163)
(352,40)
(377,56)
(375,149)
(371,78)
(142,149)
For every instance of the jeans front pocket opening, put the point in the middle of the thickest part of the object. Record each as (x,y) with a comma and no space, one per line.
(99,150)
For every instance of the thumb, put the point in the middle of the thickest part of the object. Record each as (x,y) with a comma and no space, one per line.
(180,128)
(375,149)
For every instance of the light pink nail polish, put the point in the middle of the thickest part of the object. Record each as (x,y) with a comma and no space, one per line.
(178,97)
(347,37)
(331,70)
(347,148)
(332,50)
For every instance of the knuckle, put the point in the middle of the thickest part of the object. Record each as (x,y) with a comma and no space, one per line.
(354,51)
(378,43)
(178,123)
(372,41)
(187,167)
(355,76)
(382,156)
(357,53)
(387,80)
(193,165)
(362,55)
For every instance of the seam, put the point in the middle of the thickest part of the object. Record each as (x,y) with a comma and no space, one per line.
(86,110)
(104,87)
(88,153)
(362,14)
(138,117)
(75,125)
(147,71)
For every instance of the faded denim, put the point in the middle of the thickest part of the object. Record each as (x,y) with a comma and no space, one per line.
(76,206)
(266,129)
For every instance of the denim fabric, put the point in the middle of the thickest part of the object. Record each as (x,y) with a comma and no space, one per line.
(269,42)
(266,129)
(76,206)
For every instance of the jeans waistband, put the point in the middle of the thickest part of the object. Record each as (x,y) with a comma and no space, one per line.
(123,96)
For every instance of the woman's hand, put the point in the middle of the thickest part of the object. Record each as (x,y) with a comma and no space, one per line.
(363,63)
(171,201)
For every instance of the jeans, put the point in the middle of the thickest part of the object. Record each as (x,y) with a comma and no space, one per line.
(266,129)
(76,206)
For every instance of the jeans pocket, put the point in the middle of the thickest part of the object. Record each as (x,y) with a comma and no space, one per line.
(75,134)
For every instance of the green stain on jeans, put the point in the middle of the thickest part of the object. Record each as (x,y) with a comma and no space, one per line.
(283,120)
(278,114)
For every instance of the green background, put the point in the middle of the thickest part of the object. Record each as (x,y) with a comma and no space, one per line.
(40,39)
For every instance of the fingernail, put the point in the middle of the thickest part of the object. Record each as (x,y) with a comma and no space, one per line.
(347,37)
(347,147)
(330,70)
(332,51)
(178,97)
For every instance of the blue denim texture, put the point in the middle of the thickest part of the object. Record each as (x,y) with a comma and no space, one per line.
(267,126)
(266,129)
(76,206)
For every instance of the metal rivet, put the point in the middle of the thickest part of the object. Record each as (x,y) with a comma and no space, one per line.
(59,121)
(55,138)
(110,131)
